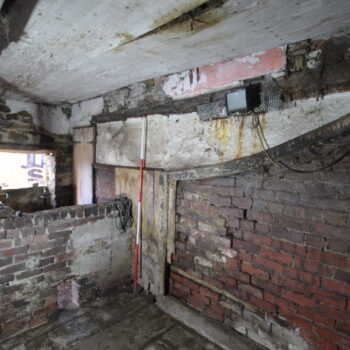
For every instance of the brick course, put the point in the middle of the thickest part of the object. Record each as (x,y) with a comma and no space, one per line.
(291,238)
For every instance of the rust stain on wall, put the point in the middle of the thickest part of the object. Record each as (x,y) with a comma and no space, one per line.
(256,146)
(124,36)
(240,139)
(222,131)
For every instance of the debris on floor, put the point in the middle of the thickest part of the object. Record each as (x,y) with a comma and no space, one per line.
(117,321)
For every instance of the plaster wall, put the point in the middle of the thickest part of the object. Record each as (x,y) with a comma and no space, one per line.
(184,141)
(101,252)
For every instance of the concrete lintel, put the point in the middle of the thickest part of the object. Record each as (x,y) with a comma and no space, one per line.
(218,334)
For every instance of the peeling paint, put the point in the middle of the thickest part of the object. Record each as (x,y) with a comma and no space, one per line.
(72,59)
(223,74)
(183,141)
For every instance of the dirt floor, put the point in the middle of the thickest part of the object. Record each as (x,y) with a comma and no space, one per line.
(118,321)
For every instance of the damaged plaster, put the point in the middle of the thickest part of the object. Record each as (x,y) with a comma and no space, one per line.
(101,252)
(171,137)
(77,57)
(224,74)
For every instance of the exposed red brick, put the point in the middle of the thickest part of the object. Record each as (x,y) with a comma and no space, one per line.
(292,250)
(260,216)
(263,305)
(276,256)
(4,244)
(257,238)
(309,278)
(38,320)
(343,276)
(178,293)
(243,203)
(207,292)
(329,298)
(231,213)
(201,298)
(318,318)
(288,247)
(335,286)
(249,269)
(271,266)
(251,290)
(329,258)
(331,231)
(297,298)
(196,302)
(243,277)
(214,313)
(319,268)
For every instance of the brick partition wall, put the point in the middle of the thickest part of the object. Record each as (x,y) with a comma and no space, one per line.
(267,253)
(40,250)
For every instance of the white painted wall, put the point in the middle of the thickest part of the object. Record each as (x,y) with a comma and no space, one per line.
(51,118)
(183,141)
(101,252)
(83,111)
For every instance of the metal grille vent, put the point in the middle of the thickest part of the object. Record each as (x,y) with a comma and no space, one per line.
(270,97)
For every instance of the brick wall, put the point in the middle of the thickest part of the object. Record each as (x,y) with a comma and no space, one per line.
(40,250)
(267,253)
(19,132)
(104,183)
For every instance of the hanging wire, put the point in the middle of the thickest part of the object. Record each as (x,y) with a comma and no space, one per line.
(267,150)
(122,206)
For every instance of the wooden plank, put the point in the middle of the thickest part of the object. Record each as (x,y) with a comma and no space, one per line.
(83,157)
(127,181)
(215,289)
(171,219)
(161,230)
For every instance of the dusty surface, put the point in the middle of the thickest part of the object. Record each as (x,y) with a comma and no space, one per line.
(119,321)
(76,50)
(170,137)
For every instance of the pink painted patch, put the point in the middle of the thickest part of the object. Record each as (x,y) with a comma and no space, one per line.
(68,295)
(200,80)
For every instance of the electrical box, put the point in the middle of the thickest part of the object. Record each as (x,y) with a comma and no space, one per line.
(236,101)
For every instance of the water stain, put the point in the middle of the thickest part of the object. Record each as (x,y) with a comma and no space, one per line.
(191,20)
(151,52)
(125,36)
(240,139)
(177,13)
(222,131)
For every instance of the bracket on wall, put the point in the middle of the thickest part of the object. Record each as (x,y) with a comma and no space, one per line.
(259,97)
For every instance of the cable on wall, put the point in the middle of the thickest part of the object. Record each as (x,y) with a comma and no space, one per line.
(267,150)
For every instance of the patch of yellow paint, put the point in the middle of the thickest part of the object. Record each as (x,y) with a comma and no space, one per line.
(222,131)
(125,36)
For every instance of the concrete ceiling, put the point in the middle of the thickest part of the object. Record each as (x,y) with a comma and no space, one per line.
(72,50)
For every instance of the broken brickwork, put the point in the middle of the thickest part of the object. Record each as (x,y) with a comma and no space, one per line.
(41,250)
(19,132)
